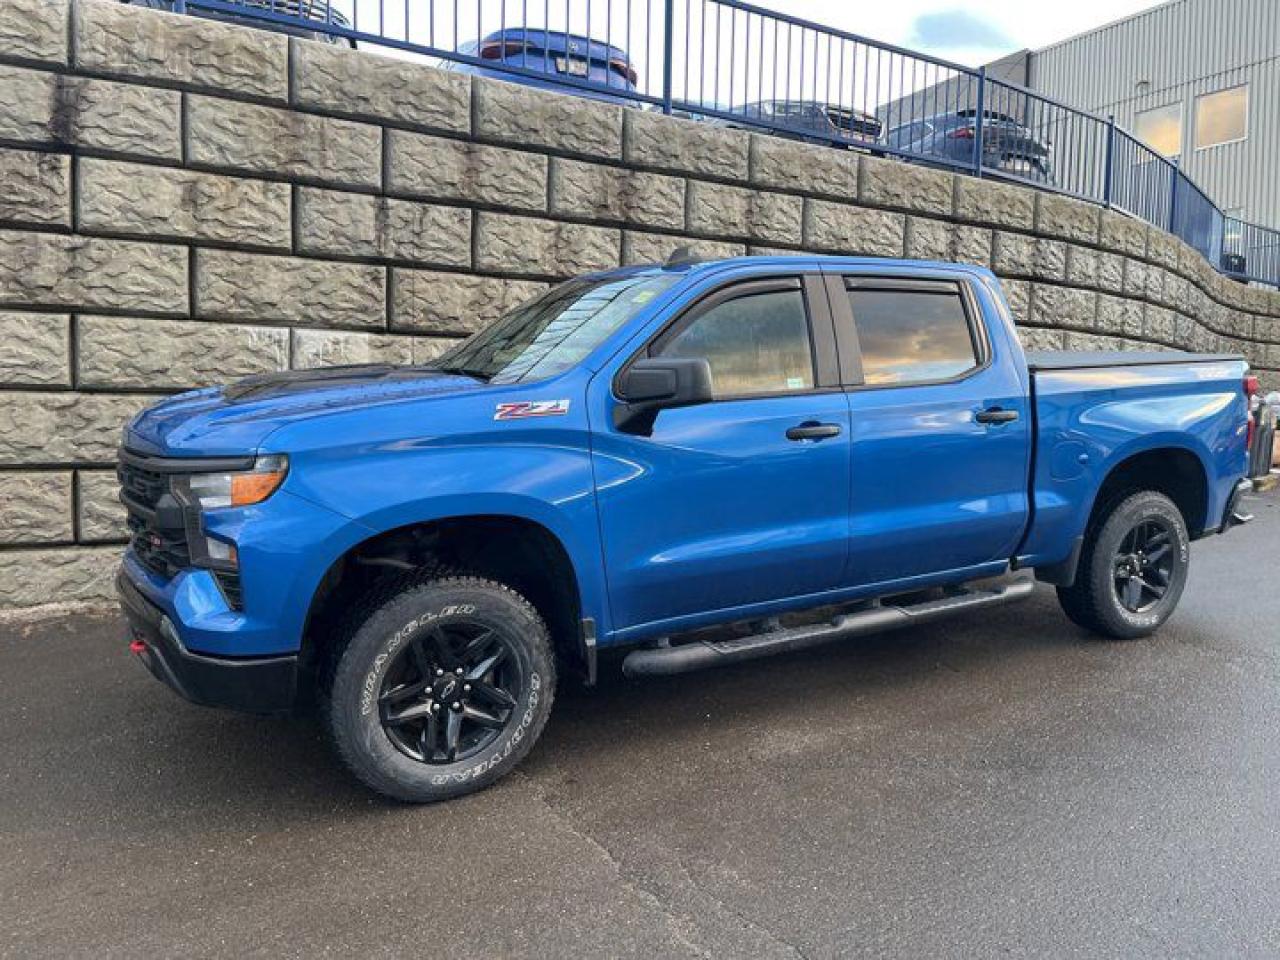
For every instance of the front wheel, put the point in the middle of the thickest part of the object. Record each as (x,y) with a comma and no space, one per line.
(442,689)
(1133,568)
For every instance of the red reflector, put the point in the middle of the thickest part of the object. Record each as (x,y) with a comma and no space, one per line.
(137,647)
(962,133)
(500,51)
(624,69)
(1250,391)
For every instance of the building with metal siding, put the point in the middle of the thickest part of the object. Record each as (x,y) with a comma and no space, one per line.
(1170,57)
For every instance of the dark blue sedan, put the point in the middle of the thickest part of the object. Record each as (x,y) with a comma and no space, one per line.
(814,121)
(559,55)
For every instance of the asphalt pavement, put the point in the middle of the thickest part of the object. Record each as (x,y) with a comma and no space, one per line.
(995,785)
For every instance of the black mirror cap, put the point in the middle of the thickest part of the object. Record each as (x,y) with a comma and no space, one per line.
(647,382)
(651,385)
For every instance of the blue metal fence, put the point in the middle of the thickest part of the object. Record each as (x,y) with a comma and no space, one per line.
(729,62)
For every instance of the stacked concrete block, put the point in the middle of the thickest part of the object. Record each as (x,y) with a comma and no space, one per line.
(438,168)
(352,84)
(338,224)
(243,287)
(64,111)
(520,116)
(720,210)
(142,200)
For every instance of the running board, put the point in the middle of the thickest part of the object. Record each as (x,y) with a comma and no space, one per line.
(659,661)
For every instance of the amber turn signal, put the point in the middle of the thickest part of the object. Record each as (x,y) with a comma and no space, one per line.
(250,488)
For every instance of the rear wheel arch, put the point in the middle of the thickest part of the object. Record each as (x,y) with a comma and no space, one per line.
(516,551)
(1177,472)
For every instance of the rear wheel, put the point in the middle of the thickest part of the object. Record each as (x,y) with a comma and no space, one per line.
(442,689)
(1133,568)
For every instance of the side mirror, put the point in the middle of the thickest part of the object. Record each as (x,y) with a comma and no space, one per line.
(651,385)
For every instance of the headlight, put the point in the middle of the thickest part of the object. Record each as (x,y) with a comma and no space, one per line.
(209,491)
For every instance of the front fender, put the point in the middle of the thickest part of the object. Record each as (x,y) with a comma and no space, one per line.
(547,483)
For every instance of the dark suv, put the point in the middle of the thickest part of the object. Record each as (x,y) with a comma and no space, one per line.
(1007,145)
(815,122)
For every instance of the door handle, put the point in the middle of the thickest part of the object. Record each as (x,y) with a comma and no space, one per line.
(996,415)
(812,430)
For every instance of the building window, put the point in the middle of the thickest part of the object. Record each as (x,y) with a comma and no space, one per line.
(1222,117)
(1161,129)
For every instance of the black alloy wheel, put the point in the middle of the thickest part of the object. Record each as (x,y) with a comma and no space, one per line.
(1143,565)
(1133,566)
(443,685)
(450,692)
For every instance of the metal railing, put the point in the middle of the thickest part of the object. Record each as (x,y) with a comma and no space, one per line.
(729,62)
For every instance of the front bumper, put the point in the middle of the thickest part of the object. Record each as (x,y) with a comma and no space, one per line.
(251,684)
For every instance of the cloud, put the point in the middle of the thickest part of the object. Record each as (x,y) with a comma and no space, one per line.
(958,30)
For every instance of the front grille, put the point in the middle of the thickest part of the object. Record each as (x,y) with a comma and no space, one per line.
(161,530)
(303,10)
(856,123)
(157,530)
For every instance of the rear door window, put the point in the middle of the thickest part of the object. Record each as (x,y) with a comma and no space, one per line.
(912,336)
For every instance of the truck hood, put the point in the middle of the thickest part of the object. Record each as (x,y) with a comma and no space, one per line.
(235,420)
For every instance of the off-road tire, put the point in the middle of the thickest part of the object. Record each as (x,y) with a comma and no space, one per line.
(381,631)
(1093,601)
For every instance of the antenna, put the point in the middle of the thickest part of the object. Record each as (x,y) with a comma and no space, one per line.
(681,257)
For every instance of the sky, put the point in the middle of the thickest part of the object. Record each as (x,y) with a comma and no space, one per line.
(972,32)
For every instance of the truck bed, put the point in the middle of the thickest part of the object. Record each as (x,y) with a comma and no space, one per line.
(1085,359)
(1094,410)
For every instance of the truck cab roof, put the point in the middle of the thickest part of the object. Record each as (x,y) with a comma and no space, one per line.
(801,261)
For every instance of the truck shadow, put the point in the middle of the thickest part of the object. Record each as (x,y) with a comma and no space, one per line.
(891,669)
(132,742)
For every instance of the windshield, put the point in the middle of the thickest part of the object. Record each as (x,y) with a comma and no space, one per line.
(554,331)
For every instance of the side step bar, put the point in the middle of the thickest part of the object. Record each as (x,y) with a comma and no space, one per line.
(659,661)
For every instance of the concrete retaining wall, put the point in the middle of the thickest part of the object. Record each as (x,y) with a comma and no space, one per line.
(184,202)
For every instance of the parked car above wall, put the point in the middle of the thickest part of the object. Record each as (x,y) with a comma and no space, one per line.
(814,121)
(258,10)
(1007,145)
(560,55)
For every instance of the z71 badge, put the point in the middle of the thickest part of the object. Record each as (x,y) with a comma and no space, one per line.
(523,409)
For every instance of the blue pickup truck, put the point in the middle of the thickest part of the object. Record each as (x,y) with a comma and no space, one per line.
(696,463)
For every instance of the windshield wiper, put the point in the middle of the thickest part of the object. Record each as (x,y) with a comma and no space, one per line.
(466,372)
